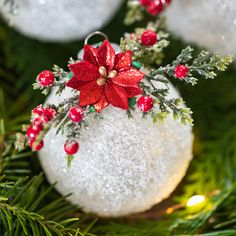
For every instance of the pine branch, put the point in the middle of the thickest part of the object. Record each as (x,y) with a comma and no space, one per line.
(216,210)
(24,207)
(141,228)
(21,212)
(12,164)
(204,66)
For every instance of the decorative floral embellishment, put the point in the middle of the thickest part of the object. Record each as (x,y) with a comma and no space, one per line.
(104,77)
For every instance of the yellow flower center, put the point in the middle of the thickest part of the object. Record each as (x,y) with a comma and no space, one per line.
(104,75)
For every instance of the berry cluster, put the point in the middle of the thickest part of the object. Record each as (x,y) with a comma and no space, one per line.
(154,7)
(76,115)
(41,116)
(146,103)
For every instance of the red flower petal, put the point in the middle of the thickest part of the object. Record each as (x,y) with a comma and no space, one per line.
(101,104)
(90,54)
(90,93)
(123,60)
(75,83)
(106,55)
(133,91)
(128,78)
(85,71)
(116,95)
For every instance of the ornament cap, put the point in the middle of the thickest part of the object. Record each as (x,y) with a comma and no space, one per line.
(94,34)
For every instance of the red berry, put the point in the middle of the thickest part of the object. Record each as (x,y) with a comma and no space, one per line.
(144,2)
(49,113)
(145,103)
(155,7)
(181,71)
(46,78)
(38,147)
(76,114)
(38,121)
(32,132)
(38,110)
(71,147)
(149,38)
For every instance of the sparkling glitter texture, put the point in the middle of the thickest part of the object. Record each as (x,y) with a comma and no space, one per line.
(61,20)
(124,165)
(210,23)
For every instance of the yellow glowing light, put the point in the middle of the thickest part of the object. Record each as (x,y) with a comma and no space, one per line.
(195,200)
(170,210)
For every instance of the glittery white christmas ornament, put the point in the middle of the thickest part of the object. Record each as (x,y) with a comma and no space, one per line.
(60,20)
(211,23)
(124,165)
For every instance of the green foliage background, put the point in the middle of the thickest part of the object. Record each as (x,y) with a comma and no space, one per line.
(29,206)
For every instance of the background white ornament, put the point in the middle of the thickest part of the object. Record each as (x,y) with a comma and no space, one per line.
(61,20)
(124,165)
(209,23)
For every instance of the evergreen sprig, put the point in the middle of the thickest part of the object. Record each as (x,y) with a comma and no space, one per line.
(151,55)
(21,212)
(12,164)
(135,13)
(203,66)
(194,222)
(25,208)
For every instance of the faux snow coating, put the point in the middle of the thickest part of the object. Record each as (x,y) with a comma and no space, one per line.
(60,20)
(124,165)
(211,23)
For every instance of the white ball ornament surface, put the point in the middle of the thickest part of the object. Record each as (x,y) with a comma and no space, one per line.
(124,165)
(60,20)
(211,23)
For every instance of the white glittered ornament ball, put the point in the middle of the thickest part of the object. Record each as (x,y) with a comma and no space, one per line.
(209,23)
(60,20)
(124,165)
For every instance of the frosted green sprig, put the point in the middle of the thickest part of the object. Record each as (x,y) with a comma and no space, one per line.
(204,66)
(146,55)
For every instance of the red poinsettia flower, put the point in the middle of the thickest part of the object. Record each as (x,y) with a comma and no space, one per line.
(104,77)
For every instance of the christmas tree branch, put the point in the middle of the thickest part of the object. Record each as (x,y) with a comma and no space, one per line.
(20,213)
